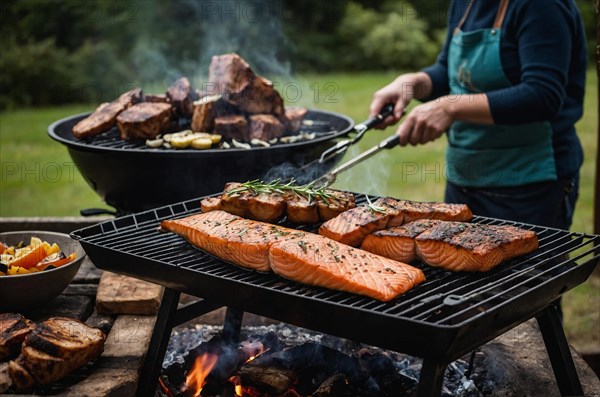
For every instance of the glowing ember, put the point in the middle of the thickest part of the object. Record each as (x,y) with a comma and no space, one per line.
(164,387)
(196,378)
(256,355)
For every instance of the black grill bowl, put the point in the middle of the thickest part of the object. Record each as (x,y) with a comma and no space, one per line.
(132,177)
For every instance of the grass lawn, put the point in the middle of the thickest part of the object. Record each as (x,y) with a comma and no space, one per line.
(39,179)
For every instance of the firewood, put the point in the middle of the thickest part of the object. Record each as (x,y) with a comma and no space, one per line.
(274,380)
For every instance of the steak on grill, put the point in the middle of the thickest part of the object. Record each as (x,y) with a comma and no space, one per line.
(13,330)
(105,116)
(53,349)
(293,118)
(228,73)
(265,127)
(263,206)
(232,127)
(259,96)
(182,96)
(144,121)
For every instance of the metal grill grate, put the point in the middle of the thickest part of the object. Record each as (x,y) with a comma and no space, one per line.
(450,303)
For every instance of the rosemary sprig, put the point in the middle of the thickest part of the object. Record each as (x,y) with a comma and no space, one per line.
(373,207)
(309,191)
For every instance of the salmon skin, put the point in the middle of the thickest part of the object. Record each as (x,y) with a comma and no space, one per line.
(300,256)
(273,206)
(320,261)
(455,246)
(352,226)
(234,239)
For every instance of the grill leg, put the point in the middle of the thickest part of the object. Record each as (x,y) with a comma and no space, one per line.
(559,352)
(431,378)
(233,325)
(158,344)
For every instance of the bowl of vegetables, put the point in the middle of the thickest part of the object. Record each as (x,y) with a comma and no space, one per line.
(35,267)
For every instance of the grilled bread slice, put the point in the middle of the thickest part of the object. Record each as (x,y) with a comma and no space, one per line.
(53,349)
(13,330)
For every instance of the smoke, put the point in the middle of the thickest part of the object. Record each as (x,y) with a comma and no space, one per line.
(196,30)
(302,175)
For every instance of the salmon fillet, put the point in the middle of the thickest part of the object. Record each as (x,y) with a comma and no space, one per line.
(352,226)
(397,242)
(301,209)
(414,210)
(260,206)
(335,204)
(240,241)
(473,247)
(210,204)
(317,260)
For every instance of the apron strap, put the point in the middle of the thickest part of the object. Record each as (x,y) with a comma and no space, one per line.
(501,13)
(497,22)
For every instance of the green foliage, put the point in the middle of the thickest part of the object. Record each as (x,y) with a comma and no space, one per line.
(394,39)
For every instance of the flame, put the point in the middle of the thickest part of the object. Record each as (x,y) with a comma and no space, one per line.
(262,351)
(164,387)
(196,377)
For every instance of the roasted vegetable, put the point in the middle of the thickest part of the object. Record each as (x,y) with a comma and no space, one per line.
(37,256)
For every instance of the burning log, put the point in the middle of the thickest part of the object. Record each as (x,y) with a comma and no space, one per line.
(182,97)
(272,379)
(336,385)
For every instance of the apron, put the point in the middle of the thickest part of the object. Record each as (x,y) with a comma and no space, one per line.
(491,155)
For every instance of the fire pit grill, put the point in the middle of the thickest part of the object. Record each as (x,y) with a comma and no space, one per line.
(440,320)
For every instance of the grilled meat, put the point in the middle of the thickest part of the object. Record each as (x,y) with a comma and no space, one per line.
(13,330)
(53,349)
(413,210)
(228,73)
(232,127)
(473,247)
(144,120)
(265,127)
(263,206)
(240,241)
(317,260)
(206,109)
(105,116)
(160,98)
(293,118)
(259,96)
(270,207)
(182,96)
(397,242)
(297,255)
(353,227)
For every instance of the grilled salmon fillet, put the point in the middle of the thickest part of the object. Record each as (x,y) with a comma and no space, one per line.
(273,206)
(53,349)
(320,261)
(413,210)
(397,242)
(352,226)
(240,241)
(260,206)
(473,247)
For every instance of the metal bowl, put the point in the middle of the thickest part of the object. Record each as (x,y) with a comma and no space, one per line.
(24,292)
(132,177)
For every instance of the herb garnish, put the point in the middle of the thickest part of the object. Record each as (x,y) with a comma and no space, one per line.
(307,191)
(373,207)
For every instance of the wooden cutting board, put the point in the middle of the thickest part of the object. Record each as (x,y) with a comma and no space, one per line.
(119,294)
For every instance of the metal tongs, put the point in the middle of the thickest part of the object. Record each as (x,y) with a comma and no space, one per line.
(330,177)
(360,129)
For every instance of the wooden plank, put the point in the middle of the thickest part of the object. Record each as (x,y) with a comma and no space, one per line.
(127,342)
(54,224)
(73,306)
(105,382)
(119,294)
(87,274)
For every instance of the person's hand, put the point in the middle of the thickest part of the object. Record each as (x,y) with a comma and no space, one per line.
(399,92)
(425,123)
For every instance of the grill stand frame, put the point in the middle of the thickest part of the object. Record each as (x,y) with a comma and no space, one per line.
(432,371)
